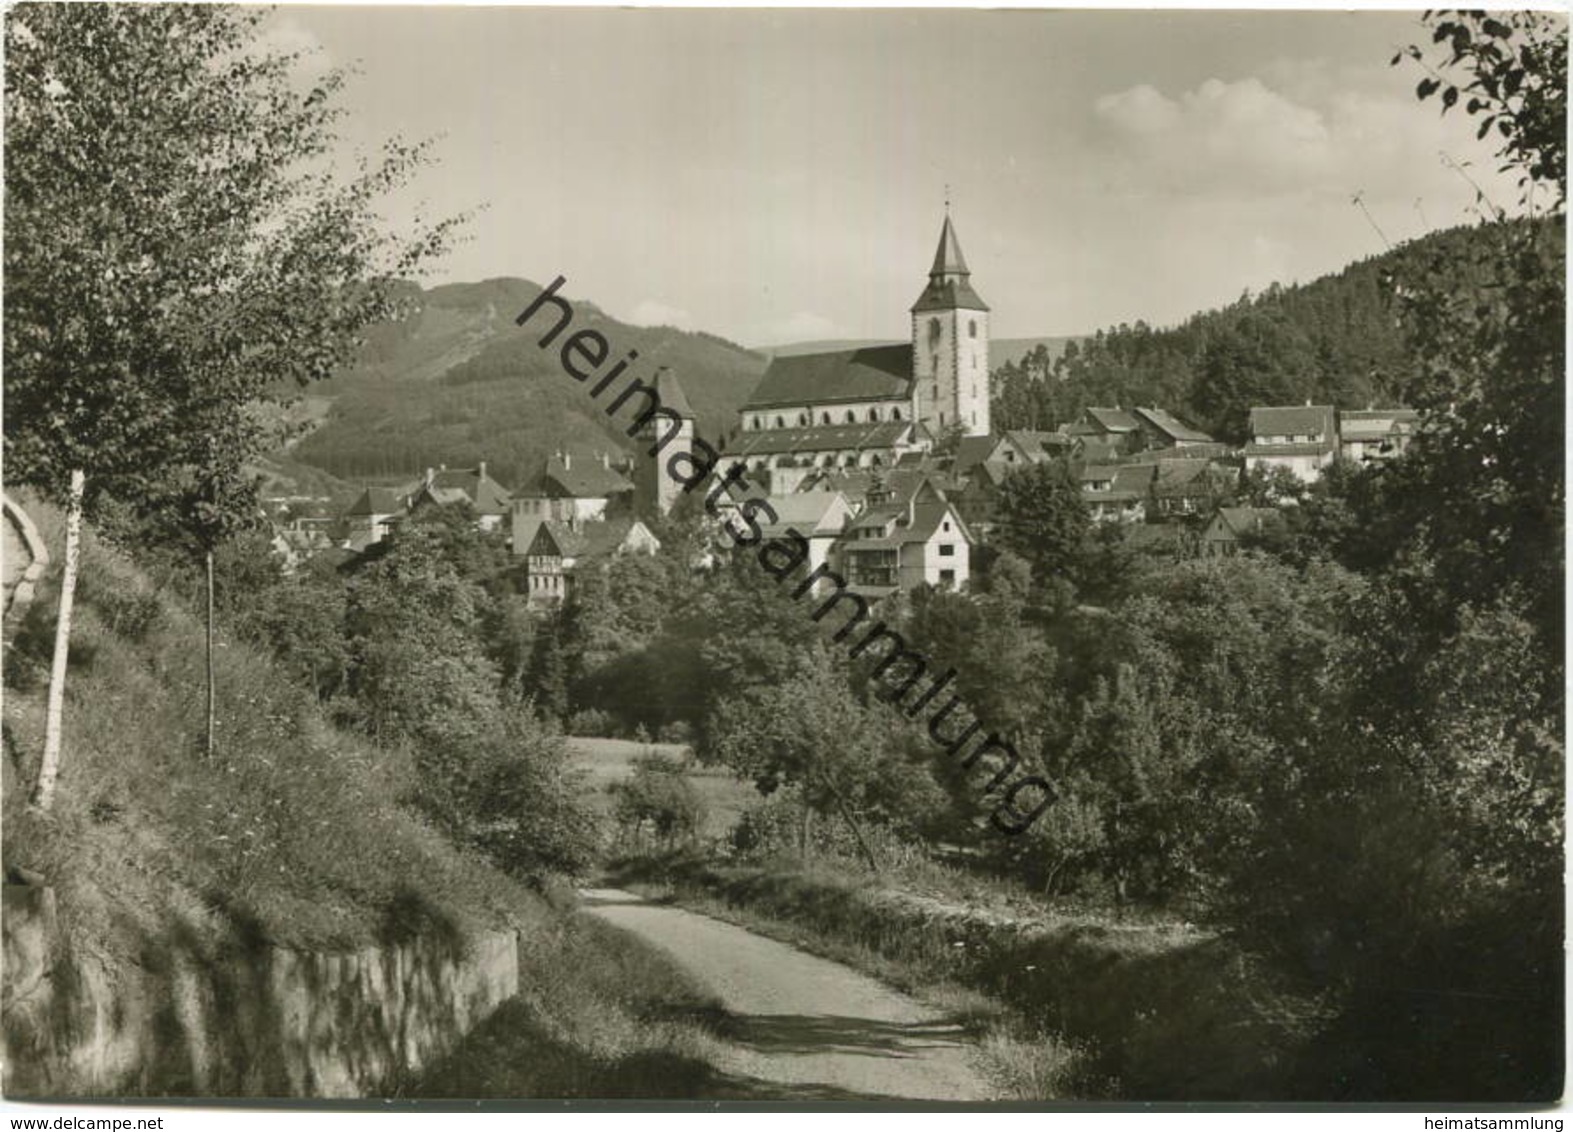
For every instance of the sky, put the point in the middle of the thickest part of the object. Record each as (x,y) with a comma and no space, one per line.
(781,175)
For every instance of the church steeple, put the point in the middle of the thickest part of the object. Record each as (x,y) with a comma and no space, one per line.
(949,287)
(950,345)
(948,259)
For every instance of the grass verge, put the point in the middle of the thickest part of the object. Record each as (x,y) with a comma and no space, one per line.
(600,1015)
(294,832)
(1079,1009)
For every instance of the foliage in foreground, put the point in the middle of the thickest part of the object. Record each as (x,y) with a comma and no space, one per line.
(296,830)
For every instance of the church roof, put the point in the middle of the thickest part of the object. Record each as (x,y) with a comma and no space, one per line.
(670,391)
(948,259)
(822,438)
(949,287)
(873,373)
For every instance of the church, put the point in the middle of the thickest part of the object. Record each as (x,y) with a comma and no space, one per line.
(868,407)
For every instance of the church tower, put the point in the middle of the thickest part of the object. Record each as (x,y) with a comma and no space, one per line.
(655,489)
(950,345)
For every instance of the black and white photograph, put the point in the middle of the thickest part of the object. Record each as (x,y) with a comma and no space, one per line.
(740,558)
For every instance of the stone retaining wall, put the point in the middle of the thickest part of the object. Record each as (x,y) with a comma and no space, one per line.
(260,1021)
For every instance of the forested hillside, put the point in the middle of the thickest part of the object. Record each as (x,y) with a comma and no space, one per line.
(458,382)
(1336,340)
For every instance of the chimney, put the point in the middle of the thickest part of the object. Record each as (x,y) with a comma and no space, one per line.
(606,460)
(431,474)
(567,461)
(480,472)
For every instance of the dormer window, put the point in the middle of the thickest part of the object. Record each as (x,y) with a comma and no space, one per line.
(780,422)
(873,414)
(895,414)
(852,418)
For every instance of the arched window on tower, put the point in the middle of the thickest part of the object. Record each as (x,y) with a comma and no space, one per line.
(972,328)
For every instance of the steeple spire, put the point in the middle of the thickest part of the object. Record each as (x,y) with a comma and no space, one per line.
(948,285)
(948,259)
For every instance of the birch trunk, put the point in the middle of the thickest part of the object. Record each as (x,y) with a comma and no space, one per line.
(209,745)
(49,768)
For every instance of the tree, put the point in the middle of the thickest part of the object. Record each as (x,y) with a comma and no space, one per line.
(1486,480)
(661,795)
(809,730)
(174,255)
(1043,519)
(1514,70)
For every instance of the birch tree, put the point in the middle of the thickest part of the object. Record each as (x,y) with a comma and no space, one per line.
(181,245)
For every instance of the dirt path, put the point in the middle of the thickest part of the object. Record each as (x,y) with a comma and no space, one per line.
(811,1027)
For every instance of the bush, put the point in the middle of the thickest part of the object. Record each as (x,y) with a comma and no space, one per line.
(773,827)
(658,802)
(678,731)
(590,723)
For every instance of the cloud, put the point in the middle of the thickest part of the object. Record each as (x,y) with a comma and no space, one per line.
(1299,128)
(1219,135)
(649,312)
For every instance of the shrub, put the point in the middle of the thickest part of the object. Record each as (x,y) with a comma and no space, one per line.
(590,723)
(659,801)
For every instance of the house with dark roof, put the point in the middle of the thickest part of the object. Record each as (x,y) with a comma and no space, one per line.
(1373,435)
(1162,429)
(978,496)
(1089,448)
(561,549)
(863,487)
(1235,527)
(568,487)
(1014,448)
(1117,492)
(368,519)
(895,544)
(1184,487)
(471,487)
(1111,429)
(1302,439)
